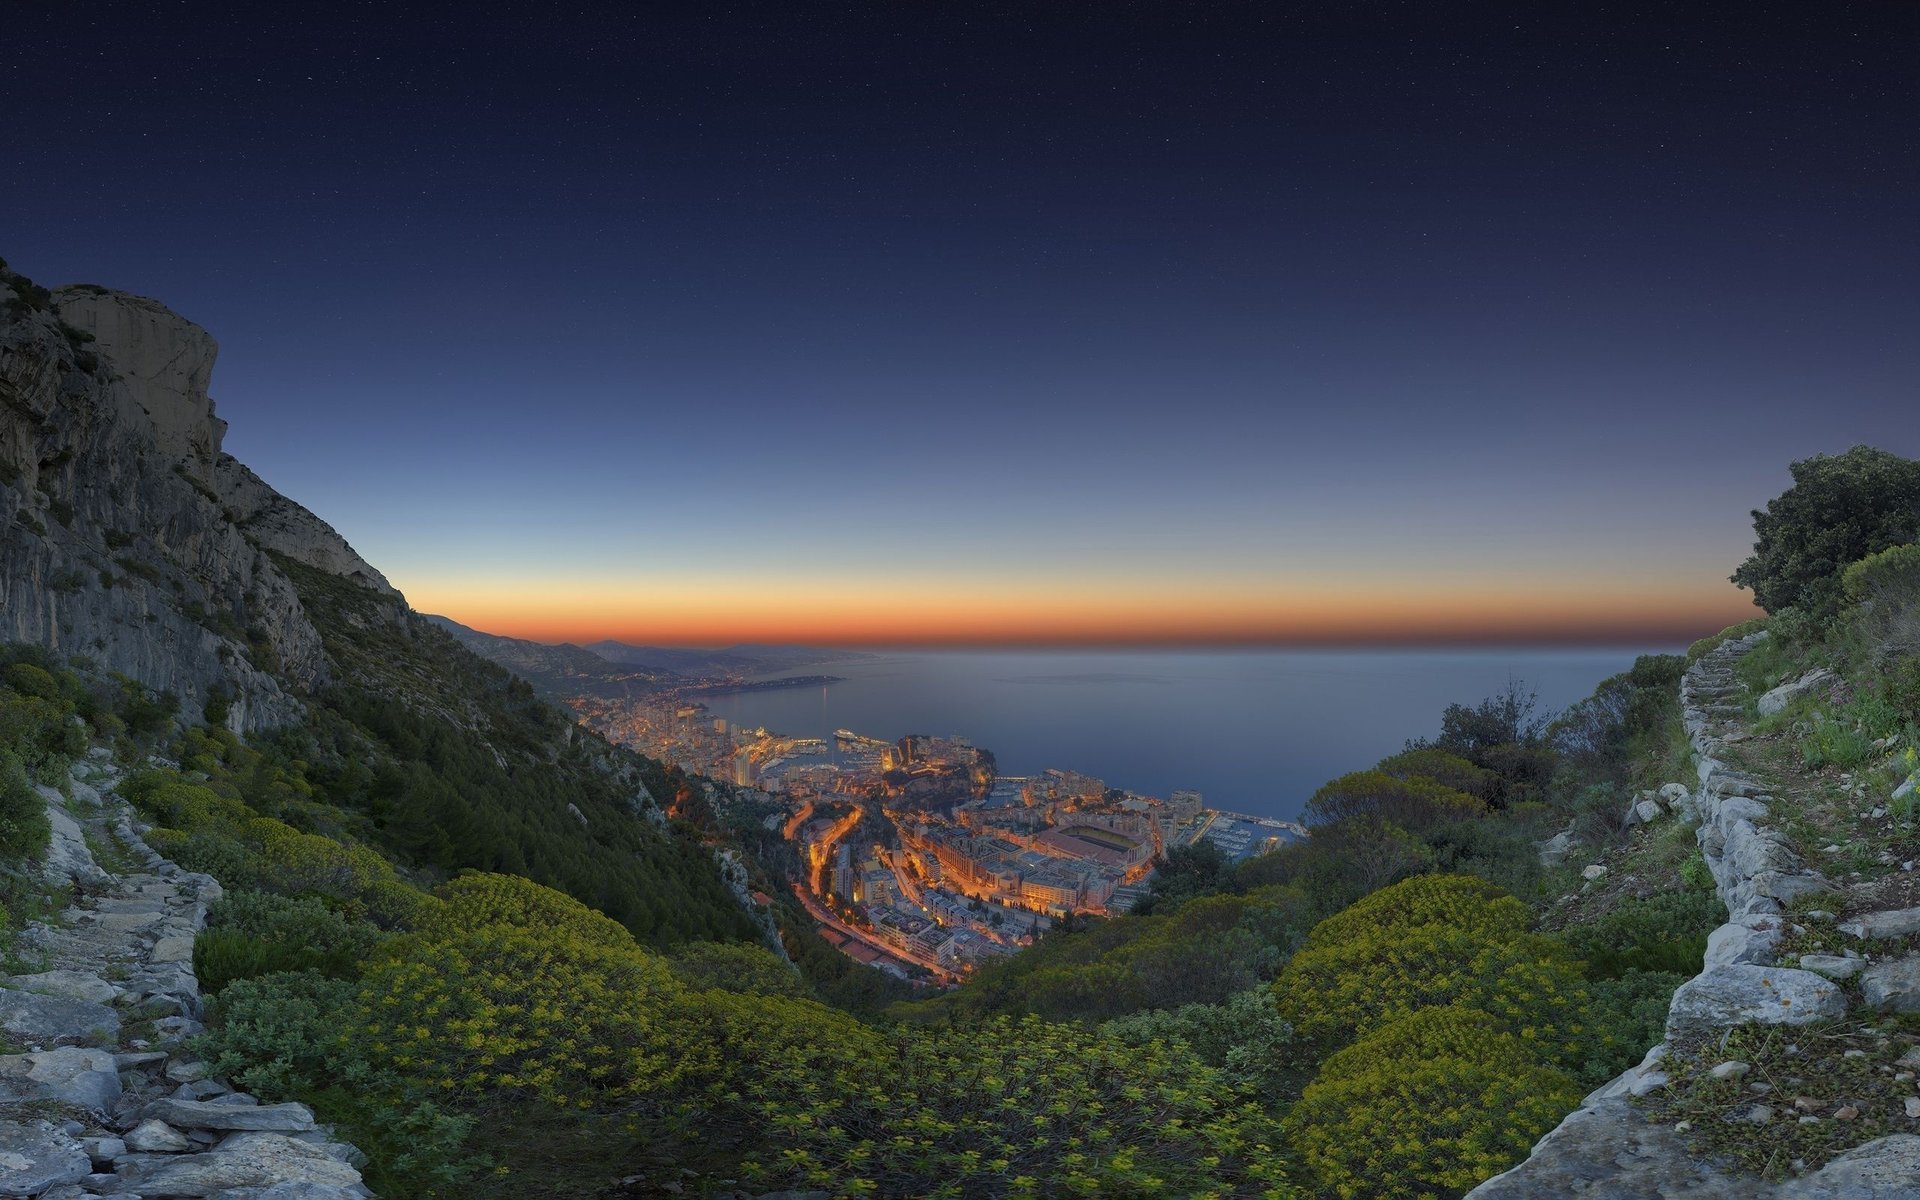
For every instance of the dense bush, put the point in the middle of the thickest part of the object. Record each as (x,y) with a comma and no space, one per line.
(1203,952)
(1432,940)
(733,967)
(1410,802)
(1427,1106)
(1663,932)
(1449,770)
(1245,1036)
(511,988)
(24,831)
(1840,509)
(1021,1108)
(258,933)
(1885,588)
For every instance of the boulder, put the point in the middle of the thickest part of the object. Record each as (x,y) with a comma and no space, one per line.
(1742,942)
(1883,1169)
(68,861)
(1892,986)
(245,1161)
(1893,923)
(103,1149)
(72,1075)
(207,1114)
(1833,966)
(35,1158)
(1785,694)
(74,985)
(1743,992)
(176,949)
(1610,1152)
(157,1137)
(36,1018)
(1554,850)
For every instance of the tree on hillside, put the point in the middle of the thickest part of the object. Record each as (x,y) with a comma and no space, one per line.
(1841,508)
(1510,717)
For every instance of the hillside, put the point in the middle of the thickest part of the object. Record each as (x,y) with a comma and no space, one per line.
(502,957)
(559,671)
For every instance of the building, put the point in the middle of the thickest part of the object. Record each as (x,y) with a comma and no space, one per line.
(843,878)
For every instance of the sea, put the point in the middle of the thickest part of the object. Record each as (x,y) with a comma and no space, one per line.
(1255,731)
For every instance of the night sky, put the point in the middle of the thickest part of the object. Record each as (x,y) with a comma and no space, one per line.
(900,322)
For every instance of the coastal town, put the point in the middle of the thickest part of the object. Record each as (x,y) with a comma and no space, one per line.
(917,857)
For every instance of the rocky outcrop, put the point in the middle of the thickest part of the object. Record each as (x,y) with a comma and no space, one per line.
(132,1113)
(273,522)
(127,536)
(1607,1150)
(1778,699)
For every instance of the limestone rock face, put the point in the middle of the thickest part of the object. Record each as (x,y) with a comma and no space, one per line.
(284,527)
(126,535)
(166,362)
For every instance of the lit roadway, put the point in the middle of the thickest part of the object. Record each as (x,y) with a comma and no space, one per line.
(903,875)
(822,848)
(827,917)
(791,830)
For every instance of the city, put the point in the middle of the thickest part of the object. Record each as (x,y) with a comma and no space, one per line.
(916,856)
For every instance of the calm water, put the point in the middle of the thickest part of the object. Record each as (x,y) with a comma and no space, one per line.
(1256,731)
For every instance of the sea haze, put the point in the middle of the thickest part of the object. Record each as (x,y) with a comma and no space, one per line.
(1256,731)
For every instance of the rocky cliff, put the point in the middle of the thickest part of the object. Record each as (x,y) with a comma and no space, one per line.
(127,536)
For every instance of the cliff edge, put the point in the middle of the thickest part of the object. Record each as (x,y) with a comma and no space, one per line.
(127,536)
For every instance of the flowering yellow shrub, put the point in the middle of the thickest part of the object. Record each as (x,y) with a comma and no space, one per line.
(505,991)
(478,899)
(1428,941)
(1459,902)
(1023,1108)
(1425,1108)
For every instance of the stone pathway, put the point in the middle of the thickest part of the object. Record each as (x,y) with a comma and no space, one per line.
(99,1099)
(1608,1149)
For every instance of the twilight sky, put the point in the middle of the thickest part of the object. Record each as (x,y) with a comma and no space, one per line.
(880,323)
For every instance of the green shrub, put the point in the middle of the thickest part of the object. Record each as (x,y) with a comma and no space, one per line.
(1412,803)
(732,967)
(253,933)
(1663,932)
(1010,1109)
(1831,742)
(24,831)
(1245,1037)
(221,956)
(288,1036)
(1425,1107)
(1840,509)
(507,991)
(1434,940)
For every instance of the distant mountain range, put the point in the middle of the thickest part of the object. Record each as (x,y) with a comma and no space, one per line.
(747,658)
(610,668)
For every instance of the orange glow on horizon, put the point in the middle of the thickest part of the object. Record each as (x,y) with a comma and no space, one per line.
(718,613)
